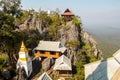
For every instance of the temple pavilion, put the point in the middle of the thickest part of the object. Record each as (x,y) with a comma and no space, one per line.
(44,76)
(67,15)
(49,49)
(63,67)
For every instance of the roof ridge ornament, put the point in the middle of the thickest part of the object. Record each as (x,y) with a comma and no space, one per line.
(23,48)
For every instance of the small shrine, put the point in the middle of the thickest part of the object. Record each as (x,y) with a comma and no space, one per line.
(63,67)
(67,15)
(44,76)
(24,61)
(49,49)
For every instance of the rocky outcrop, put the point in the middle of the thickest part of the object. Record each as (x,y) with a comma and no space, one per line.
(47,63)
(31,23)
(69,34)
(74,37)
(89,40)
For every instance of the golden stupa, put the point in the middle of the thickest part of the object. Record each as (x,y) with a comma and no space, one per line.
(23,48)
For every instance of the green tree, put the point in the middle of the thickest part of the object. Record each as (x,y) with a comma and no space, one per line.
(6,21)
(44,18)
(76,21)
(52,32)
(9,39)
(11,7)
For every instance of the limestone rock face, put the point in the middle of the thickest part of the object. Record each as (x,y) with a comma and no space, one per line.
(71,35)
(47,63)
(88,39)
(69,32)
(31,23)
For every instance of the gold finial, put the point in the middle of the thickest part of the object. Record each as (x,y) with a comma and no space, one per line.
(23,48)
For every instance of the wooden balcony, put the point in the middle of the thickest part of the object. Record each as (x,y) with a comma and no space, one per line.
(47,54)
(65,74)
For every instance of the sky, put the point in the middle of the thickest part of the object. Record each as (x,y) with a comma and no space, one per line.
(93,13)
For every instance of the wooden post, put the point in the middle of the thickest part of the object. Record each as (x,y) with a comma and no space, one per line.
(67,74)
(58,73)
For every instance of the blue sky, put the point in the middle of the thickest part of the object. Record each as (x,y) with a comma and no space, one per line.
(92,12)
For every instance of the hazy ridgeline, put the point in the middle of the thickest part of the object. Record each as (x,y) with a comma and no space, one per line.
(107,37)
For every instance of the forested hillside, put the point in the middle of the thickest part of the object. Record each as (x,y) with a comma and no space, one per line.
(30,26)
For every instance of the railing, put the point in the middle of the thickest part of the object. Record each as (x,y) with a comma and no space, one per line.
(65,75)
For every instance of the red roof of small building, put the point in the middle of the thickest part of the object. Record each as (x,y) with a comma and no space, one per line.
(67,12)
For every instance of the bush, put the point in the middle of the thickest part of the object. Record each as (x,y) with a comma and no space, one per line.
(87,47)
(76,21)
(73,43)
(3,58)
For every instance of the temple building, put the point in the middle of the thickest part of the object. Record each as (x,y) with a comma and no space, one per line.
(50,49)
(44,76)
(24,61)
(108,69)
(63,67)
(67,15)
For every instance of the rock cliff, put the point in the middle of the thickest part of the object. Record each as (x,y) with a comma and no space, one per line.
(71,35)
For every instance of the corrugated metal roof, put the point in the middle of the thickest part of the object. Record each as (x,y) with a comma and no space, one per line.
(116,55)
(44,76)
(62,63)
(103,70)
(50,46)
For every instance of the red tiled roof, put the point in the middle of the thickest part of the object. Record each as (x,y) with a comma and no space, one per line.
(67,12)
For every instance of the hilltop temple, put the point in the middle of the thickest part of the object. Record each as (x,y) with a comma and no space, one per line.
(67,15)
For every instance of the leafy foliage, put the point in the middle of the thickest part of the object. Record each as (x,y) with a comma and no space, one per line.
(76,21)
(73,43)
(43,17)
(52,32)
(78,70)
(10,40)
(3,59)
(54,26)
(8,37)
(87,47)
(6,21)
(24,15)
(12,7)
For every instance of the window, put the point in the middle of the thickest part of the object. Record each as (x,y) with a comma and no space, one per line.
(42,52)
(53,53)
(60,45)
(35,51)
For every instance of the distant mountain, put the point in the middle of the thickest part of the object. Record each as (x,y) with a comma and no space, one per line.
(108,38)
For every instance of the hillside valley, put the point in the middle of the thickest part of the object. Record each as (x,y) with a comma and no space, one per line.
(108,38)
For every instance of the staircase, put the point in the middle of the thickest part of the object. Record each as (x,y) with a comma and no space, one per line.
(51,70)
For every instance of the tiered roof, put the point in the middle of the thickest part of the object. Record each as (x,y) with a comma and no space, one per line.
(23,48)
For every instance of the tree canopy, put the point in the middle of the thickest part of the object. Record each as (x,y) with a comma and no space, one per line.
(11,7)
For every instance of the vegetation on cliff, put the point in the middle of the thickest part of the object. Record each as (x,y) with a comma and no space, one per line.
(31,26)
